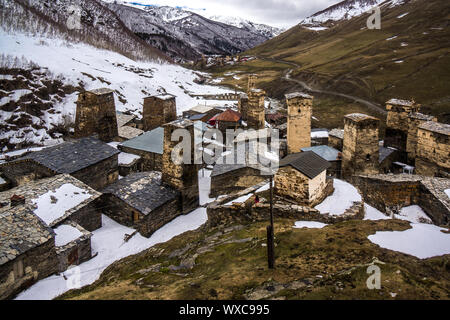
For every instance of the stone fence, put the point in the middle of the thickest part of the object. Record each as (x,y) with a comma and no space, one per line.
(219,213)
(225,96)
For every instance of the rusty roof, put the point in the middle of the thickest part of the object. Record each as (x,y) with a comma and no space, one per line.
(228,116)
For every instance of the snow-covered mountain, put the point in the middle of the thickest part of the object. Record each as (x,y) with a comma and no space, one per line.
(263,29)
(187,35)
(344,10)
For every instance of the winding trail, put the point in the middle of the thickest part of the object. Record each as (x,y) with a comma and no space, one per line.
(287,76)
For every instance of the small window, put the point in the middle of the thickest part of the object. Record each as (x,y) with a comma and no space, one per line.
(299,110)
(135,216)
(368,157)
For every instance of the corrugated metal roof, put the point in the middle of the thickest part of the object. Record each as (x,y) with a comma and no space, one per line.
(308,163)
(229,116)
(197,116)
(326,152)
(150,141)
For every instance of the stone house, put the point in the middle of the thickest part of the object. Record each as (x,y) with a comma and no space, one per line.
(433,149)
(228,119)
(206,112)
(87,159)
(333,156)
(59,200)
(142,201)
(256,118)
(302,177)
(96,114)
(148,146)
(387,159)
(127,127)
(415,120)
(27,250)
(336,139)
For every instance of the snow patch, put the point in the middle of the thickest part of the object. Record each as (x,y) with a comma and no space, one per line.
(309,225)
(66,234)
(341,200)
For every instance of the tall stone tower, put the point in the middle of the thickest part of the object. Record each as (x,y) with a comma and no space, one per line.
(256,114)
(299,121)
(183,177)
(243,106)
(251,82)
(397,124)
(96,114)
(158,110)
(415,120)
(361,150)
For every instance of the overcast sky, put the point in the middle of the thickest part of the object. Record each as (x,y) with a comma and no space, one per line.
(279,13)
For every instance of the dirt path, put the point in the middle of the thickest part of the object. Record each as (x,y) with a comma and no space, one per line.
(287,76)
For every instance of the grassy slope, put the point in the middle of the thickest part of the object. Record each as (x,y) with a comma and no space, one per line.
(329,263)
(361,62)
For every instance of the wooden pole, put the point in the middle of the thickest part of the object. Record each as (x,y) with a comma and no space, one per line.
(270,233)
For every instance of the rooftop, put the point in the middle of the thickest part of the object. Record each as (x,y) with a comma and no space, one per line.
(151,141)
(20,231)
(308,163)
(53,199)
(421,116)
(437,127)
(384,153)
(325,152)
(128,133)
(165,96)
(298,95)
(228,116)
(72,156)
(123,119)
(357,117)
(201,109)
(196,117)
(399,102)
(101,91)
(143,191)
(338,133)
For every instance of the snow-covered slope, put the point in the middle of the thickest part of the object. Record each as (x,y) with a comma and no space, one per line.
(345,10)
(263,29)
(35,117)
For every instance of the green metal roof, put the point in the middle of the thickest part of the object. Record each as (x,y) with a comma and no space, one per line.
(326,152)
(151,141)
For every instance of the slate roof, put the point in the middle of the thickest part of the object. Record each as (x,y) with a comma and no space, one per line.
(143,191)
(384,153)
(399,102)
(127,132)
(326,152)
(72,156)
(308,163)
(21,231)
(338,133)
(201,108)
(437,127)
(150,141)
(123,119)
(298,95)
(197,116)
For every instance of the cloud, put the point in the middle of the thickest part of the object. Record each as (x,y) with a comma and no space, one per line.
(281,13)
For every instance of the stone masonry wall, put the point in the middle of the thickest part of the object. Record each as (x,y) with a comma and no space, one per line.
(148,162)
(413,129)
(157,112)
(235,181)
(101,174)
(243,106)
(38,263)
(433,154)
(23,171)
(256,118)
(78,250)
(299,124)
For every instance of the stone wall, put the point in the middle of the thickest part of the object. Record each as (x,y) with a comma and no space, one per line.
(414,122)
(433,154)
(158,111)
(237,180)
(336,142)
(397,125)
(389,193)
(20,172)
(243,106)
(299,123)
(88,216)
(361,150)
(75,252)
(159,217)
(149,161)
(101,174)
(27,269)
(220,214)
(256,118)
(96,114)
(251,82)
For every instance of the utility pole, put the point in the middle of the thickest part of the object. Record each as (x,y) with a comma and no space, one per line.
(270,237)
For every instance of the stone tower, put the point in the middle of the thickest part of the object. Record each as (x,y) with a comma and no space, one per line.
(183,177)
(415,120)
(243,106)
(96,114)
(299,121)
(397,124)
(251,82)
(360,154)
(158,110)
(256,118)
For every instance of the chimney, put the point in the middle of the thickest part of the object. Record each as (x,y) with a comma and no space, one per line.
(17,200)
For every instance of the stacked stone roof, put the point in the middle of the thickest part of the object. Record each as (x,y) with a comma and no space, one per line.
(437,127)
(298,95)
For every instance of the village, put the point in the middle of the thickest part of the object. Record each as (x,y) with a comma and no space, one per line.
(119,166)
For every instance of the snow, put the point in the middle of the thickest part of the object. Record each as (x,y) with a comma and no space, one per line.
(66,234)
(404,44)
(317,28)
(342,199)
(402,15)
(422,241)
(14,96)
(127,158)
(319,134)
(68,196)
(391,38)
(240,199)
(309,225)
(413,214)
(204,183)
(109,244)
(399,61)
(374,214)
(447,192)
